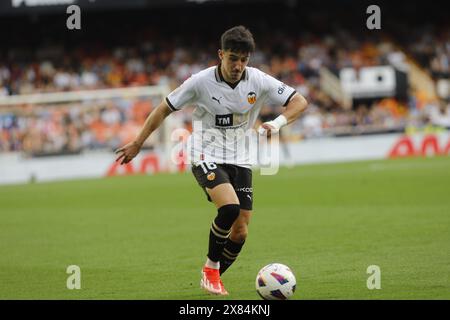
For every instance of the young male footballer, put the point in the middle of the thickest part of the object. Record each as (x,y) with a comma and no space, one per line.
(228,98)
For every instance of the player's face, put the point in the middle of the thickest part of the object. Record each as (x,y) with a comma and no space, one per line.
(233,64)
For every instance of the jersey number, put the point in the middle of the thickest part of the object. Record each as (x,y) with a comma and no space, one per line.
(207,166)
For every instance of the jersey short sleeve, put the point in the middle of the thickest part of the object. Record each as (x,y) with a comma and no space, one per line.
(278,93)
(183,95)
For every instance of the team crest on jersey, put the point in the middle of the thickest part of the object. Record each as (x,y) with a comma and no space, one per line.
(251,97)
(211,176)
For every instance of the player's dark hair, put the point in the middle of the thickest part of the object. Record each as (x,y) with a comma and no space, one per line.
(238,39)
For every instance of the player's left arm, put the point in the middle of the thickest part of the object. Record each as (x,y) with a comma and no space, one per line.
(295,107)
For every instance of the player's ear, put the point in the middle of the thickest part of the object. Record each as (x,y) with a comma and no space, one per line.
(220,53)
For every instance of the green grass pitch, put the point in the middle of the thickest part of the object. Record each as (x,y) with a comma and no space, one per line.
(145,237)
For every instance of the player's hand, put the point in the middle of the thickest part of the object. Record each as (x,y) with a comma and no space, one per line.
(267,129)
(128,152)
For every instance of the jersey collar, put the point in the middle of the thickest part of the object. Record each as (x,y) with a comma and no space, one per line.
(219,77)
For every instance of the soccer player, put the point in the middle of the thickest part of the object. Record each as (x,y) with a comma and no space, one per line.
(228,98)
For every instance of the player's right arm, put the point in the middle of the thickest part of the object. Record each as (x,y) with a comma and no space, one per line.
(153,121)
(184,94)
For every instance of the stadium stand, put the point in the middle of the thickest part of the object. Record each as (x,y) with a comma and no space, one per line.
(145,50)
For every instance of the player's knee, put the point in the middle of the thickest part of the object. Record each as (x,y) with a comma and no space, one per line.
(227,215)
(239,233)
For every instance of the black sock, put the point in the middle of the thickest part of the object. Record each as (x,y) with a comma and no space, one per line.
(229,255)
(220,230)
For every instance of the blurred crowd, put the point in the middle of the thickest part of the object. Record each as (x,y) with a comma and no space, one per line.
(431,48)
(72,127)
(295,59)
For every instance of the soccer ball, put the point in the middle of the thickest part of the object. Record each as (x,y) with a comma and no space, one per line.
(275,282)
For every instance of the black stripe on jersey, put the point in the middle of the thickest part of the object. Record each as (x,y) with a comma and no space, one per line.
(216,73)
(289,98)
(170,105)
(219,73)
(219,77)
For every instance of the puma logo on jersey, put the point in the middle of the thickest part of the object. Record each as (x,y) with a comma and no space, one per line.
(218,100)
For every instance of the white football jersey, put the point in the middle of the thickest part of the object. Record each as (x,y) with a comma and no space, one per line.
(224,116)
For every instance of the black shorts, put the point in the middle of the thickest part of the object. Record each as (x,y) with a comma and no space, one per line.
(210,174)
